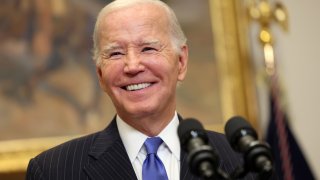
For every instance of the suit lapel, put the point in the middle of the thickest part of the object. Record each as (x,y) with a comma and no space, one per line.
(109,159)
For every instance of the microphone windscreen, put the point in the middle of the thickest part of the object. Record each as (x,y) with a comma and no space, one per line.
(237,127)
(190,128)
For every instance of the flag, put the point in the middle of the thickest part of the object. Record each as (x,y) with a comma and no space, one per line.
(288,158)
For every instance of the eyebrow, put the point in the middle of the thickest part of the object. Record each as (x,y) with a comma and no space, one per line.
(113,46)
(149,42)
(110,47)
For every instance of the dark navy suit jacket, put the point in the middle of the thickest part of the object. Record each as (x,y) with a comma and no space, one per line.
(102,155)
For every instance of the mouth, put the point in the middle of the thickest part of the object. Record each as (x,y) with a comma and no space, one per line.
(136,87)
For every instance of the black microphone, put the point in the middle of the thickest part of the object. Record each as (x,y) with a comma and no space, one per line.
(244,139)
(202,160)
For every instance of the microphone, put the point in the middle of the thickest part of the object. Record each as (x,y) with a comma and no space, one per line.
(244,139)
(202,159)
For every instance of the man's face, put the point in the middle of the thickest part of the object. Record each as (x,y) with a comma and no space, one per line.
(139,67)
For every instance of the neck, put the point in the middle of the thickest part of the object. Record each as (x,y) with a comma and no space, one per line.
(150,125)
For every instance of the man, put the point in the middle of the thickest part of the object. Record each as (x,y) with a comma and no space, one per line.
(141,54)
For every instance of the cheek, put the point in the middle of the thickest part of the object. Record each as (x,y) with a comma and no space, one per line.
(162,69)
(166,64)
(171,68)
(109,73)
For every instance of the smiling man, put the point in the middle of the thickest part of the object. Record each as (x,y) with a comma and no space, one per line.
(141,54)
(140,63)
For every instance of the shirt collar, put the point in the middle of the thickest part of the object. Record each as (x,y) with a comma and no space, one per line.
(169,135)
(133,139)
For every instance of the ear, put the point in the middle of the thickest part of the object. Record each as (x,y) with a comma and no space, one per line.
(183,63)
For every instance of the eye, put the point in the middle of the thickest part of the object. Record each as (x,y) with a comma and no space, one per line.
(115,55)
(148,49)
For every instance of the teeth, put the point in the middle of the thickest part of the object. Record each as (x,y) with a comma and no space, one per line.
(135,87)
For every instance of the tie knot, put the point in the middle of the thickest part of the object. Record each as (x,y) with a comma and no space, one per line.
(152,144)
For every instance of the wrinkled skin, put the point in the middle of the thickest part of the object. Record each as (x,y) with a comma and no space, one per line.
(136,48)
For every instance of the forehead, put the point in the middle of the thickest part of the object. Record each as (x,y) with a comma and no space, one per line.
(148,9)
(134,18)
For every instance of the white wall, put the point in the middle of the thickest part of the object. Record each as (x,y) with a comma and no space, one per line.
(299,64)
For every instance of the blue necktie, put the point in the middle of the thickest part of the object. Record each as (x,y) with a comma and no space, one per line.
(153,168)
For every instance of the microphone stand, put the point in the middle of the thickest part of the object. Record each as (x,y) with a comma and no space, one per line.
(208,173)
(265,174)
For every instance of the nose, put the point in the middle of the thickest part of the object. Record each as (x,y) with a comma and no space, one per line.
(133,64)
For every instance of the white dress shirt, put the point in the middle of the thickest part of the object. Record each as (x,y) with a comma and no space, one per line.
(168,152)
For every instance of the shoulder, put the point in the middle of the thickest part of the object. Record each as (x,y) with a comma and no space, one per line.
(219,137)
(68,150)
(67,160)
(221,145)
(220,142)
(78,149)
(56,162)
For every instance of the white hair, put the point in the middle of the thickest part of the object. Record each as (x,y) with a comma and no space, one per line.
(178,38)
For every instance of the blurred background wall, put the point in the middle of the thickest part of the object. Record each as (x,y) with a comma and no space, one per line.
(298,57)
(299,52)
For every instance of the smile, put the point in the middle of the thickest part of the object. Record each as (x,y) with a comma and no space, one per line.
(135,87)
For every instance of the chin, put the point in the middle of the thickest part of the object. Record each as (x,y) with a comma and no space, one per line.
(139,111)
